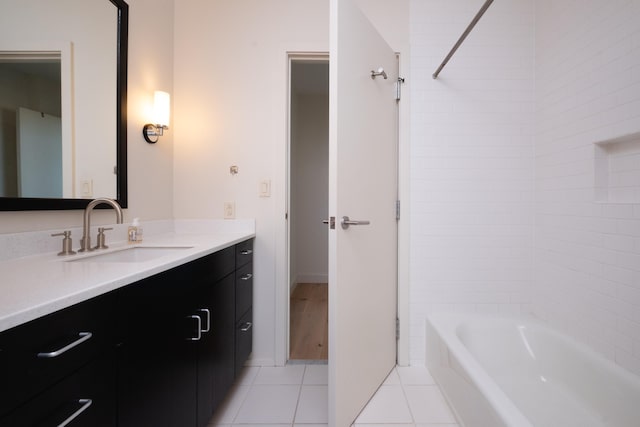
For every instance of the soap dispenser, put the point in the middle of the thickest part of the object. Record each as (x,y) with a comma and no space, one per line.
(135,231)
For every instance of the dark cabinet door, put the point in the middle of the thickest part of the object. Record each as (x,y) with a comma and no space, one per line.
(85,398)
(216,348)
(243,340)
(156,357)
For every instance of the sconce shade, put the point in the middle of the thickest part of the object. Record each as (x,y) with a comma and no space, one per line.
(161,108)
(161,116)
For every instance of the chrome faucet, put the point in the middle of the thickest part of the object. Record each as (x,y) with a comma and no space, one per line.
(85,242)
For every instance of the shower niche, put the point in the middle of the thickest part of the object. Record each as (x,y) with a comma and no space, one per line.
(617,170)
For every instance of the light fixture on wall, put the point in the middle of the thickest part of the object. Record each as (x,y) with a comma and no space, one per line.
(161,113)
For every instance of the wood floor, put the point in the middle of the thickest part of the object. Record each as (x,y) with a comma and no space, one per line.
(309,337)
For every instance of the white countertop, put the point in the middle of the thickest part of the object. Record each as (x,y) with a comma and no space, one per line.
(31,287)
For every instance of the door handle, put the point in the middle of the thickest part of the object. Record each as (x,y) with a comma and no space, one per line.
(208,322)
(198,336)
(85,405)
(83,336)
(345,222)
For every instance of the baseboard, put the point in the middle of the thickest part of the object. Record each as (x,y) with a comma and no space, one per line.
(312,278)
(260,362)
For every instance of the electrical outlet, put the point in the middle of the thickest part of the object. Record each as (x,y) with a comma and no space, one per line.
(229,210)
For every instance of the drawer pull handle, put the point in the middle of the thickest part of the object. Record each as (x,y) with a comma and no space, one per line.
(246,252)
(83,337)
(85,405)
(246,327)
(198,329)
(246,276)
(208,322)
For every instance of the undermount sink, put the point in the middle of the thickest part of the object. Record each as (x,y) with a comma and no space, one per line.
(133,254)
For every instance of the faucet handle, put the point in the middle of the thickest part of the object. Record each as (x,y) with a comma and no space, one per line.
(102,238)
(66,243)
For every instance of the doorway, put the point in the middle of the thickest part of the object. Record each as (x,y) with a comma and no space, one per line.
(308,207)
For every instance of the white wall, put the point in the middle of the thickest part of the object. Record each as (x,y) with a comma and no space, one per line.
(309,188)
(150,166)
(587,253)
(471,161)
(230,103)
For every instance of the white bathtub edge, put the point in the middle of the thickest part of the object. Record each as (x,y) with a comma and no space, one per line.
(474,397)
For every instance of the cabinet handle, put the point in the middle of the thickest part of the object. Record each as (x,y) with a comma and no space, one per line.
(85,405)
(246,327)
(199,329)
(208,312)
(246,276)
(83,337)
(246,252)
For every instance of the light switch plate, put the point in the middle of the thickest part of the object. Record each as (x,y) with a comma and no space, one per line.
(86,188)
(265,188)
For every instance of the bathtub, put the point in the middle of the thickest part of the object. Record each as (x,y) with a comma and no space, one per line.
(518,372)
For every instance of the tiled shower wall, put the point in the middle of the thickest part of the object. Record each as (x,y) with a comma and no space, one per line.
(471,161)
(587,257)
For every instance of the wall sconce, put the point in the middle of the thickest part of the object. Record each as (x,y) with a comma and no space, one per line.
(161,113)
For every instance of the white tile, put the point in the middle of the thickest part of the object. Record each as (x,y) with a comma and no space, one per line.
(262,425)
(415,375)
(247,375)
(392,378)
(435,425)
(228,410)
(313,405)
(388,405)
(428,405)
(291,374)
(384,425)
(312,425)
(316,374)
(269,404)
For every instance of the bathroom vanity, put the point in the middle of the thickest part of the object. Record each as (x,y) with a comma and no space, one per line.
(146,342)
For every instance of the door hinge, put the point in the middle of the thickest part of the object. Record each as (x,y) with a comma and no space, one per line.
(397,210)
(397,328)
(399,83)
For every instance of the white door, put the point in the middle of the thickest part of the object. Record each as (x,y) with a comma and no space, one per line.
(39,152)
(362,186)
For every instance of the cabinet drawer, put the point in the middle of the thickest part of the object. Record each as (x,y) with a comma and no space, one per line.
(87,396)
(244,252)
(244,340)
(40,353)
(244,289)
(210,268)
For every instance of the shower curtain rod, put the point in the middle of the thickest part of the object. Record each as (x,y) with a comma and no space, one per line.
(464,35)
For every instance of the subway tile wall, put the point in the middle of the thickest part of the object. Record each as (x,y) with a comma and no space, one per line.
(472,153)
(587,244)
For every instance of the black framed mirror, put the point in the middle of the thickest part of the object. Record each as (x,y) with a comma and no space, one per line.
(109,129)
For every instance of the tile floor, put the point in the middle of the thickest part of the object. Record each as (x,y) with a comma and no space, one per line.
(296,396)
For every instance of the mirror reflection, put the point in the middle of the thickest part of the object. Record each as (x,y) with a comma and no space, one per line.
(30,125)
(62,101)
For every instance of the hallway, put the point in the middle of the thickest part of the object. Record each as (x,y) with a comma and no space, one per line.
(309,333)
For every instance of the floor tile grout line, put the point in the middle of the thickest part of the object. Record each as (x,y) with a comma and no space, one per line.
(295,412)
(404,394)
(250,385)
